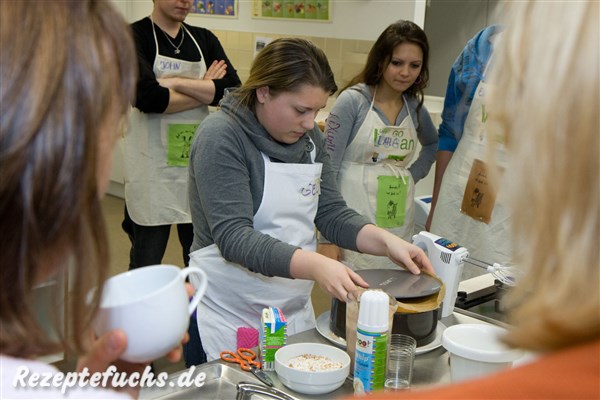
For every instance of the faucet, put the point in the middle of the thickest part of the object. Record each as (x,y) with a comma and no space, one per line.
(245,390)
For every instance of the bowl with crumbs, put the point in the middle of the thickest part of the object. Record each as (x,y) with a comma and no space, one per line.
(312,368)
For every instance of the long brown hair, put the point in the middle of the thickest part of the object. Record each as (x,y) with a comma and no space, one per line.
(380,56)
(60,78)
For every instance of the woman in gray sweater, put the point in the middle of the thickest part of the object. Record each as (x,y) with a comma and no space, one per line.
(372,132)
(260,184)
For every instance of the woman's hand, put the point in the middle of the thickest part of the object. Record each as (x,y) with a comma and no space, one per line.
(379,242)
(332,276)
(409,256)
(107,349)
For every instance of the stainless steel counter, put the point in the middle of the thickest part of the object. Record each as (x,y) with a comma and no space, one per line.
(430,369)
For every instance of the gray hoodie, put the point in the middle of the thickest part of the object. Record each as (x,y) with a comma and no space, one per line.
(226,189)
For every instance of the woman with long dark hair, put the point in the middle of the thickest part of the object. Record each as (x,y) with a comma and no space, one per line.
(372,132)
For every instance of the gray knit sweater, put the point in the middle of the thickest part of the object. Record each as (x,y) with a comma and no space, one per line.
(226,189)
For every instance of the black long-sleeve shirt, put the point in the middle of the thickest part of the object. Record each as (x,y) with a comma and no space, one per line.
(150,96)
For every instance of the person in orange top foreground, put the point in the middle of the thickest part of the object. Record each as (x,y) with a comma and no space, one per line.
(545,108)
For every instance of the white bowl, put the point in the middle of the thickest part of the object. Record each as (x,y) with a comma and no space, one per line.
(476,350)
(307,382)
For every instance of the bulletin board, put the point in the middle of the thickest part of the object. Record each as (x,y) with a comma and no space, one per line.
(216,8)
(307,10)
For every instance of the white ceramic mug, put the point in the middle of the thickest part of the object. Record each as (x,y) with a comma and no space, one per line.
(150,304)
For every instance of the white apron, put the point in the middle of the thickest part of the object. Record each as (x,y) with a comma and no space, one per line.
(156,152)
(487,242)
(375,182)
(236,296)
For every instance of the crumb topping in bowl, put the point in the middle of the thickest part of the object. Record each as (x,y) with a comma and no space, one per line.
(313,363)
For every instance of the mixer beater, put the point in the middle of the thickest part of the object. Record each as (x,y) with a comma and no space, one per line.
(507,274)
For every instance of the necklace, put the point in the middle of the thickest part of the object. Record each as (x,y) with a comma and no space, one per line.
(177,51)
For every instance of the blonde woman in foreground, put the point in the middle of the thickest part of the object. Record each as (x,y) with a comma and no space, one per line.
(546,106)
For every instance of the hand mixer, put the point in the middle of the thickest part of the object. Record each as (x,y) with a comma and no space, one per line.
(448,260)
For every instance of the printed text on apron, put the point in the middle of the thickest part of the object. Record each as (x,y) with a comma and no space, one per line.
(156,152)
(375,182)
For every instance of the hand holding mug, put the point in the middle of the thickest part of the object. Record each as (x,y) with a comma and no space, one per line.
(151,307)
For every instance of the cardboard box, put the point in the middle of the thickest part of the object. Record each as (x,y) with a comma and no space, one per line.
(272,336)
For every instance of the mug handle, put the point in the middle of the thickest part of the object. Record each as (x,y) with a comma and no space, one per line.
(185,272)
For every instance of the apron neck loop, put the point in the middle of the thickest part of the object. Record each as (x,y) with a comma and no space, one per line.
(310,148)
(373,99)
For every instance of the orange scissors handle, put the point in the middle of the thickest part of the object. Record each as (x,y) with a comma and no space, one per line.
(234,358)
(249,355)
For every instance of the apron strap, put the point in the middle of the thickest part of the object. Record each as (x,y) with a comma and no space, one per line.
(313,153)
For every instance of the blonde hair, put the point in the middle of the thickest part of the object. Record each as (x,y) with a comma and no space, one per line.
(284,65)
(546,104)
(60,78)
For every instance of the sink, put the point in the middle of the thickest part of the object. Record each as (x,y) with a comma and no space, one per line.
(220,383)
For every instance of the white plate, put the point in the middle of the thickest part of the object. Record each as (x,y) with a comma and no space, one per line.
(436,342)
(326,332)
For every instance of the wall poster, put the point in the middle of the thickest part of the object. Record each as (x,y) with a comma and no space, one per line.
(314,10)
(260,43)
(220,8)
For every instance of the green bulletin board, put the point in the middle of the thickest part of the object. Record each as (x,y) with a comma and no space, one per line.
(313,10)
